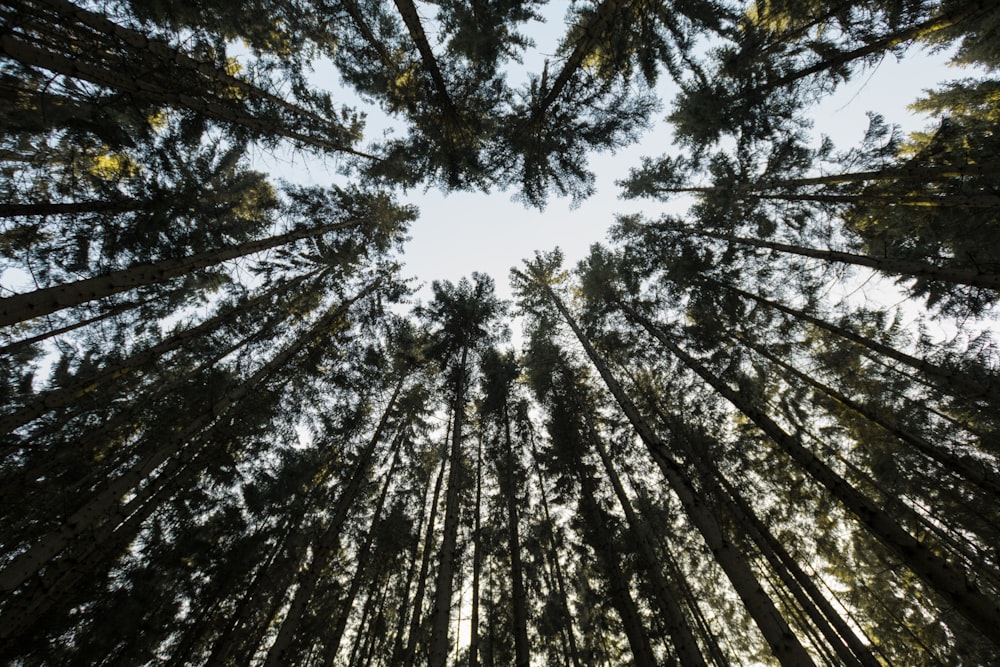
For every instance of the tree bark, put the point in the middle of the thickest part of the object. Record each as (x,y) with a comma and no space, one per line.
(967,467)
(957,381)
(416,619)
(519,600)
(441,613)
(477,557)
(105,504)
(681,635)
(364,553)
(951,581)
(328,541)
(57,398)
(783,643)
(22,307)
(963,276)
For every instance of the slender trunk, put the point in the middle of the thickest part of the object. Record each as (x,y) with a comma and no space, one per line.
(105,504)
(918,31)
(951,581)
(161,52)
(574,653)
(593,32)
(163,90)
(411,571)
(360,637)
(904,267)
(328,541)
(783,643)
(923,201)
(408,12)
(29,305)
(57,398)
(814,603)
(12,348)
(58,582)
(51,456)
(959,382)
(354,11)
(519,600)
(363,557)
(292,541)
(602,540)
(441,613)
(68,208)
(966,466)
(678,627)
(418,600)
(477,557)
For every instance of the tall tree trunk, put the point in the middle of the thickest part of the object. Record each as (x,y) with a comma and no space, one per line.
(783,643)
(159,51)
(593,32)
(68,208)
(293,541)
(411,571)
(965,276)
(519,600)
(362,559)
(105,505)
(417,618)
(814,603)
(896,38)
(26,306)
(18,345)
(57,398)
(601,538)
(957,381)
(951,581)
(965,466)
(477,556)
(441,613)
(328,541)
(411,17)
(574,652)
(681,636)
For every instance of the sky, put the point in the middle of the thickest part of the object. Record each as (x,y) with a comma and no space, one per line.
(462,232)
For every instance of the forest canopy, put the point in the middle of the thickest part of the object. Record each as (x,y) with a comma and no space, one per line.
(230,435)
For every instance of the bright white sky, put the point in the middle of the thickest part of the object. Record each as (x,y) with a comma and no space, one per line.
(459,233)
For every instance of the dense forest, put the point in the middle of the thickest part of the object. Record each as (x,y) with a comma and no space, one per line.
(229,435)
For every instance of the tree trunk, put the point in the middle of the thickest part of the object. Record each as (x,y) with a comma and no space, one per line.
(327,543)
(965,466)
(783,643)
(408,12)
(416,619)
(952,582)
(814,603)
(592,34)
(26,306)
(958,382)
(68,208)
(362,559)
(601,536)
(519,600)
(57,398)
(441,613)
(904,267)
(477,556)
(12,348)
(105,504)
(930,26)
(681,636)
(574,653)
